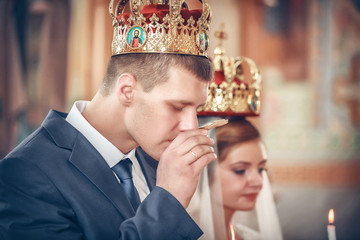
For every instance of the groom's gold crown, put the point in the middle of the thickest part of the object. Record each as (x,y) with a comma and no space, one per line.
(160,26)
(236,87)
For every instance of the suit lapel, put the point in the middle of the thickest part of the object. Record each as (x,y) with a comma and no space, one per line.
(148,166)
(88,161)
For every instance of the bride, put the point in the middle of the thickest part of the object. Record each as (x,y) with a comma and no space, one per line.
(234,199)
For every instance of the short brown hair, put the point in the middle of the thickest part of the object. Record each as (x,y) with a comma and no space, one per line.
(238,130)
(151,69)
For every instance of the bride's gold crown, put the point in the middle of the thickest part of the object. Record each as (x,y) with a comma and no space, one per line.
(230,94)
(160,26)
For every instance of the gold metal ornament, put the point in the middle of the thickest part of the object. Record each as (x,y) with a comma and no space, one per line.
(230,94)
(169,34)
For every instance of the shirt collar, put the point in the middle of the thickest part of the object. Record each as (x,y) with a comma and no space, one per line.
(108,151)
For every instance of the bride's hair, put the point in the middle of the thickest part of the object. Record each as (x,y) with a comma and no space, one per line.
(238,130)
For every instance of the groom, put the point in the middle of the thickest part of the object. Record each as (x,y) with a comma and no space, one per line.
(65,181)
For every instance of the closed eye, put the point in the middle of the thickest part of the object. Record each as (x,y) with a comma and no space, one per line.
(178,108)
(240,171)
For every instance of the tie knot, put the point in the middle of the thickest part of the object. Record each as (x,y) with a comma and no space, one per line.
(123,169)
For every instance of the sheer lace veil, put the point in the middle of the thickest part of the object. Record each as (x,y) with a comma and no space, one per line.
(206,206)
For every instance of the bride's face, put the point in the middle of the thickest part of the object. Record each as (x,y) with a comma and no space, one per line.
(240,175)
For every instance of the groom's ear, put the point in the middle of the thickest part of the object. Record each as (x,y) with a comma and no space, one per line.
(126,84)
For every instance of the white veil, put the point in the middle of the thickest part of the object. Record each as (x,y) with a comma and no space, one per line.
(207,209)
(206,205)
(263,221)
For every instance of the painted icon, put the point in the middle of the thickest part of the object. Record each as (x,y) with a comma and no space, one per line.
(136,37)
(254,102)
(202,41)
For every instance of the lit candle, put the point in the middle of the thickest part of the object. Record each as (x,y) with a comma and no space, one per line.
(331,226)
(232,232)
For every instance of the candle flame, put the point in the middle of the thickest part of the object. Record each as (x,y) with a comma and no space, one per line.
(232,232)
(331,216)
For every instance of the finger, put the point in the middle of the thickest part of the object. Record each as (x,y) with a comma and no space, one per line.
(183,136)
(201,163)
(188,140)
(197,152)
(193,142)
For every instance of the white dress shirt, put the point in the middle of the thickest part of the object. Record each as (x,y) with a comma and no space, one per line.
(107,150)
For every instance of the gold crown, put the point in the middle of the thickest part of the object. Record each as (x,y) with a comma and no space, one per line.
(160,26)
(229,94)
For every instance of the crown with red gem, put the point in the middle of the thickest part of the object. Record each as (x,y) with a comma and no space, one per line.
(230,94)
(160,26)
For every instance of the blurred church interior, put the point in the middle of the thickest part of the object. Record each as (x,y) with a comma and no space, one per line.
(53,52)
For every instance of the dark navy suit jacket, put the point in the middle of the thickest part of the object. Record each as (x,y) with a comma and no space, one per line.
(55,185)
